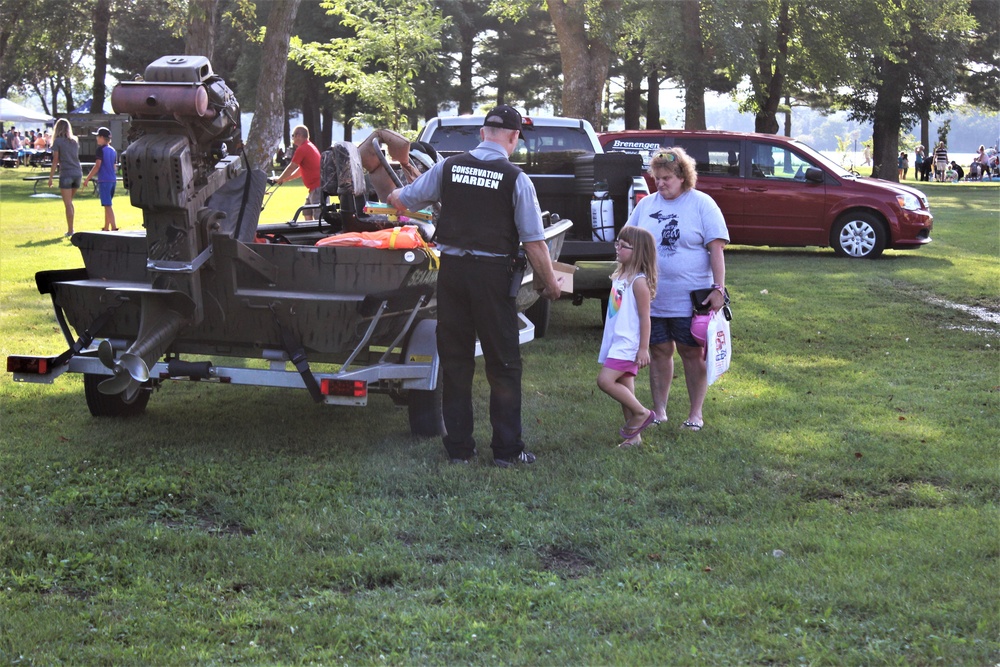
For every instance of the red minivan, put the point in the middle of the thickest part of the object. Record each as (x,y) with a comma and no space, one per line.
(776,191)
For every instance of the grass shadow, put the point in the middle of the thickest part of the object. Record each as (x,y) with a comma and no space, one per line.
(41,244)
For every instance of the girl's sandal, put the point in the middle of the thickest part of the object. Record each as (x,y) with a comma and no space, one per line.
(628,444)
(692,426)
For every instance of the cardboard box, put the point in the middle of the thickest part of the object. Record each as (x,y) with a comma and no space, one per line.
(564,271)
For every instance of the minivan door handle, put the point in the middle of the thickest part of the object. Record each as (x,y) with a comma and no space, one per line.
(752,189)
(730,187)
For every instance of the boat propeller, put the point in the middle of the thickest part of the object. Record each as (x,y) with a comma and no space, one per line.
(158,329)
(129,372)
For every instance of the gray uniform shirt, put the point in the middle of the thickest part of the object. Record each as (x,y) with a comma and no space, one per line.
(426,190)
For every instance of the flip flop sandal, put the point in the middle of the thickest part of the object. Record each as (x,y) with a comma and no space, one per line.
(628,444)
(692,426)
(627,432)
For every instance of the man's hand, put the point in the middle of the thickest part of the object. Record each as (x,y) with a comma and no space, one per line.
(541,264)
(553,289)
(394,201)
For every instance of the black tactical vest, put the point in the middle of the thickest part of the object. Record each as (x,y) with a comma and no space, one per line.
(477,205)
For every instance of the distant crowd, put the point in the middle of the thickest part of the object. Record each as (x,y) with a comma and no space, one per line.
(935,165)
(28,145)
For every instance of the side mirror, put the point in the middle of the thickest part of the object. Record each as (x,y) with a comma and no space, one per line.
(814,175)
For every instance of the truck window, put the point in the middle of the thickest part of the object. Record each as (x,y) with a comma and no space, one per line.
(551,150)
(542,150)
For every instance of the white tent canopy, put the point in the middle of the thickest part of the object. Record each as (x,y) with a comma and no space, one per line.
(12,112)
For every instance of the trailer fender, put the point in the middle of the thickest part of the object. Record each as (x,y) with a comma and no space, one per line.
(422,349)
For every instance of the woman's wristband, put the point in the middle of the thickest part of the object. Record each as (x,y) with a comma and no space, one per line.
(721,289)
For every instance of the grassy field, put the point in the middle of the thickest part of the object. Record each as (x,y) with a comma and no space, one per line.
(839,508)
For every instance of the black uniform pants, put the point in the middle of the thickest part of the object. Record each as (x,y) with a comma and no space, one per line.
(472,300)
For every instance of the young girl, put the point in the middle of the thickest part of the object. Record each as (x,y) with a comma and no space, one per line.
(625,348)
(66,160)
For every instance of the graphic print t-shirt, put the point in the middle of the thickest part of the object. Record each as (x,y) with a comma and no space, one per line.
(621,326)
(682,229)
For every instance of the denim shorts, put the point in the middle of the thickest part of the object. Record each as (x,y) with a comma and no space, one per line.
(667,329)
(107,191)
(70,182)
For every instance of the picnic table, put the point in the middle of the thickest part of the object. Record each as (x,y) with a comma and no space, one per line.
(26,156)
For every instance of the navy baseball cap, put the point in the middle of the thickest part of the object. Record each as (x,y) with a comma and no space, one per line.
(103,132)
(503,116)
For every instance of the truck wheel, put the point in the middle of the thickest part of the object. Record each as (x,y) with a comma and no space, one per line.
(113,405)
(426,415)
(539,313)
(859,235)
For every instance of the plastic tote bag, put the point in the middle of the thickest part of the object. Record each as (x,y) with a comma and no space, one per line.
(719,347)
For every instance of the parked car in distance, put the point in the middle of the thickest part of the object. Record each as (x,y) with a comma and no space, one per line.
(776,191)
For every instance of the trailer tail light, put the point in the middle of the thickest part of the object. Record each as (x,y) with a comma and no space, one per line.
(29,365)
(351,388)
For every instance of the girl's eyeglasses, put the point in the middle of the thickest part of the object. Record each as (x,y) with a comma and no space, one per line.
(621,245)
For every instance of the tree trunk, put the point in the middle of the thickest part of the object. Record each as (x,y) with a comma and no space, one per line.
(632,98)
(771,75)
(201,28)
(694,81)
(467,34)
(788,116)
(312,92)
(350,108)
(68,93)
(326,114)
(585,59)
(887,120)
(653,101)
(102,24)
(265,129)
(694,106)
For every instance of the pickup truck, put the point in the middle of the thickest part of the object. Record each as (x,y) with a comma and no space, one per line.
(564,159)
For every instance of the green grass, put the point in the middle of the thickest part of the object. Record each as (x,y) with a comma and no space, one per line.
(840,507)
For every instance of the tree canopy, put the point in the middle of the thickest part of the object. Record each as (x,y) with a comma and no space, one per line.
(891,62)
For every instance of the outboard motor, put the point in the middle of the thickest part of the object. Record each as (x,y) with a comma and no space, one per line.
(185,124)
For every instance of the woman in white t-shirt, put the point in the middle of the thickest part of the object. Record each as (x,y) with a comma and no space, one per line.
(690,234)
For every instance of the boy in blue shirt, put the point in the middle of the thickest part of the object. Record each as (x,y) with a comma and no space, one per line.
(107,178)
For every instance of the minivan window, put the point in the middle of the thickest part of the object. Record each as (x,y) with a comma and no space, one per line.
(715,157)
(777,162)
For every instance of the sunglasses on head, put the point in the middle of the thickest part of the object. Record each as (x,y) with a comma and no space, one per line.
(665,155)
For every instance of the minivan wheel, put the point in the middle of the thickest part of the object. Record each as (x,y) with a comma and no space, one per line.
(858,235)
